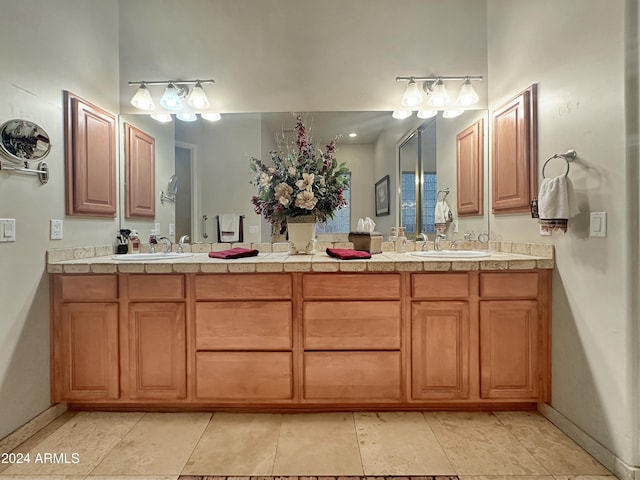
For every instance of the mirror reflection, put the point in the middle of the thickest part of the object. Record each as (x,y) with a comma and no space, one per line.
(211,163)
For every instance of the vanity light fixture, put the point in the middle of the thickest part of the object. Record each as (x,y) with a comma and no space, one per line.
(452,113)
(162,117)
(211,117)
(412,95)
(436,91)
(171,97)
(198,99)
(187,117)
(427,113)
(142,98)
(401,114)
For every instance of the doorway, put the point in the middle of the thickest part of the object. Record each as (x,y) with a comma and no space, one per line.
(185,168)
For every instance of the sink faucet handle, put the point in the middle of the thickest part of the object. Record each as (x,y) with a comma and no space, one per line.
(169,244)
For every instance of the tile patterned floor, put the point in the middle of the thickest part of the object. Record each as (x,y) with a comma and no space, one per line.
(163,446)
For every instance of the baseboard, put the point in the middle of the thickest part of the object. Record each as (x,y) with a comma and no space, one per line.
(33,426)
(592,446)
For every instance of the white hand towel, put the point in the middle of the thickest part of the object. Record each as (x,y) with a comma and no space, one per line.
(442,212)
(230,227)
(556,203)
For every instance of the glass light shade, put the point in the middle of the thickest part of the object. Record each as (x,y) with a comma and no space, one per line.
(142,98)
(412,95)
(467,95)
(438,96)
(187,117)
(170,99)
(401,114)
(198,99)
(212,117)
(427,113)
(162,117)
(452,113)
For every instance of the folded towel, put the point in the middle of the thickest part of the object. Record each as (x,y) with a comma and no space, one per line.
(347,253)
(234,253)
(230,227)
(442,213)
(556,203)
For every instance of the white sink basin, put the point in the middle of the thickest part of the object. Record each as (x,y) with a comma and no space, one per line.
(145,257)
(452,254)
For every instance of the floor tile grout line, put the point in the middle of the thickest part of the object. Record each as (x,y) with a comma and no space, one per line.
(116,444)
(506,427)
(426,421)
(196,444)
(355,427)
(275,455)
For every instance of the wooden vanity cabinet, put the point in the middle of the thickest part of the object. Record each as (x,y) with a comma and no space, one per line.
(84,328)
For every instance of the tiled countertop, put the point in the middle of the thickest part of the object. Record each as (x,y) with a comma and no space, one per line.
(283,262)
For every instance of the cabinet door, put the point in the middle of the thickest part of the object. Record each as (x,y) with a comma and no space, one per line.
(509,350)
(90,153)
(157,350)
(514,164)
(88,349)
(469,171)
(139,168)
(440,350)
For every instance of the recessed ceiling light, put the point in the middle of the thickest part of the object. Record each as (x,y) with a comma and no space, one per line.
(353,134)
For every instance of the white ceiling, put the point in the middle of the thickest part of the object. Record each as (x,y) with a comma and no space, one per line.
(300,55)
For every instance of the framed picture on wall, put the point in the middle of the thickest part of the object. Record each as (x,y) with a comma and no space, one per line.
(382,196)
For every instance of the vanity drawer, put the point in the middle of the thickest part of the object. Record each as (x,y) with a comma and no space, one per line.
(440,285)
(254,286)
(81,288)
(148,287)
(348,376)
(243,325)
(244,376)
(352,325)
(509,285)
(375,286)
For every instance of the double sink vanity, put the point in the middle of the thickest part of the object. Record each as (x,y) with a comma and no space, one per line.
(301,332)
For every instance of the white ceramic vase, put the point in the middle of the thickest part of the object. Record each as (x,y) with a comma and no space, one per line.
(302,234)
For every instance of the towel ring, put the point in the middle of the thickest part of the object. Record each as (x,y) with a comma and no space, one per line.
(568,157)
(446,193)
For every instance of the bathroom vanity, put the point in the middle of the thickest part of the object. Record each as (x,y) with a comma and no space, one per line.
(401,333)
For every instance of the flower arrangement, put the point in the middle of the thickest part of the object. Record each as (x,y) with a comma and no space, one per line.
(306,181)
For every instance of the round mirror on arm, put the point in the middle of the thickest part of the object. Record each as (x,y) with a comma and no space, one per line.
(172,189)
(22,141)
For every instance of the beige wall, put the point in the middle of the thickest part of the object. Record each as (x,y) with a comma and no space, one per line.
(39,63)
(575,50)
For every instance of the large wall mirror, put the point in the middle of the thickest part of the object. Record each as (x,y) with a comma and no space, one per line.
(211,162)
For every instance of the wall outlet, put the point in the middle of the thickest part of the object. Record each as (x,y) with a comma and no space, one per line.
(55,231)
(455,225)
(7,229)
(157,228)
(172,229)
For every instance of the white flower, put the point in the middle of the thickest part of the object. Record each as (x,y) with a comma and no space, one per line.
(292,171)
(264,180)
(321,181)
(306,182)
(272,170)
(283,193)
(306,199)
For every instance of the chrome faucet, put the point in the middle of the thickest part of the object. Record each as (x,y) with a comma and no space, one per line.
(183,239)
(421,236)
(453,245)
(436,243)
(169,244)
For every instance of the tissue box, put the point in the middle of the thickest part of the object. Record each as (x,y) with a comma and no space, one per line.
(369,242)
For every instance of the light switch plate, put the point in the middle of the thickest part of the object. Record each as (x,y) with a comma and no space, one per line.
(598,224)
(7,229)
(172,229)
(55,232)
(544,233)
(157,227)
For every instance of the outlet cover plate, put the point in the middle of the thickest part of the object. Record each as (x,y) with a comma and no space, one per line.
(56,229)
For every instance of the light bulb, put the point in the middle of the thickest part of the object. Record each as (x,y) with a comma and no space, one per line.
(142,98)
(438,95)
(162,117)
(170,99)
(198,99)
(412,95)
(467,95)
(427,113)
(452,113)
(187,117)
(401,114)
(212,117)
